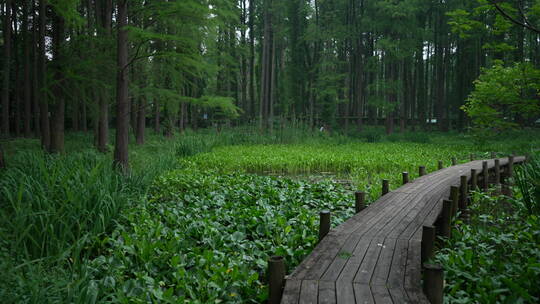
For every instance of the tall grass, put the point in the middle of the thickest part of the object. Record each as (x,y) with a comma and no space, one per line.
(51,205)
(528,181)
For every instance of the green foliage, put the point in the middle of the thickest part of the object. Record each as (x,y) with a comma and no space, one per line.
(205,237)
(54,206)
(495,258)
(503,95)
(528,181)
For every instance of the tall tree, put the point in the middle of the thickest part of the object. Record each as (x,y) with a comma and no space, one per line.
(42,61)
(6,69)
(59,103)
(121,158)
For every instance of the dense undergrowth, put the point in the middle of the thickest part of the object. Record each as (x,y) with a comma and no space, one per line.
(72,230)
(496,257)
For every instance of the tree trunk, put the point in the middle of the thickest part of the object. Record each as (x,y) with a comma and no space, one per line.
(6,69)
(251,58)
(2,160)
(35,76)
(27,87)
(104,22)
(58,116)
(43,102)
(121,159)
(141,121)
(157,118)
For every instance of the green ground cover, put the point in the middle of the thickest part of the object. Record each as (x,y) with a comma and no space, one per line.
(496,257)
(197,216)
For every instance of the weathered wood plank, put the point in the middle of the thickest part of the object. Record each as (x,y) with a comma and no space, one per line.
(309,292)
(396,276)
(382,268)
(291,292)
(345,292)
(363,294)
(327,292)
(381,294)
(365,272)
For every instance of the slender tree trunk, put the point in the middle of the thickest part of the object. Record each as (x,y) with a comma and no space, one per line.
(27,88)
(157,118)
(252,58)
(104,20)
(141,121)
(57,126)
(6,69)
(122,119)
(2,160)
(35,76)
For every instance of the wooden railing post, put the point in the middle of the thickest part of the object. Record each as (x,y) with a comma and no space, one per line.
(493,155)
(324,224)
(446,216)
(510,167)
(276,279)
(471,157)
(385,186)
(428,243)
(463,192)
(405,177)
(474,179)
(433,283)
(440,164)
(485,176)
(497,171)
(422,170)
(454,161)
(454,197)
(359,201)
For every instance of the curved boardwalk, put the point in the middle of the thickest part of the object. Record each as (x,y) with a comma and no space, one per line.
(374,257)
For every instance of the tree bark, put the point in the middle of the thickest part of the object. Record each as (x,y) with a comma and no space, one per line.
(121,159)
(251,58)
(2,160)
(42,61)
(104,21)
(35,76)
(27,87)
(58,117)
(141,121)
(6,69)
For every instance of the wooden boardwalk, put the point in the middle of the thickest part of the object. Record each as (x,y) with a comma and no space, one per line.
(374,257)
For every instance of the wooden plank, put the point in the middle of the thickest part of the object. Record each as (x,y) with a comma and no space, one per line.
(354,262)
(399,295)
(413,269)
(345,292)
(399,262)
(362,294)
(330,263)
(291,292)
(382,268)
(381,294)
(330,246)
(309,292)
(365,272)
(327,292)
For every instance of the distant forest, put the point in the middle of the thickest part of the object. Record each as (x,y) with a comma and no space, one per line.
(95,64)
